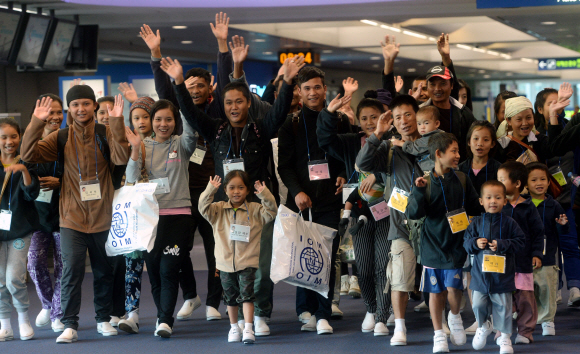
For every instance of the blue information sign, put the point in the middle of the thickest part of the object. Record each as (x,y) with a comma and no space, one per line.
(559,63)
(493,4)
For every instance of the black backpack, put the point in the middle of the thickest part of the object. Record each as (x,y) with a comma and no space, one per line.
(117,172)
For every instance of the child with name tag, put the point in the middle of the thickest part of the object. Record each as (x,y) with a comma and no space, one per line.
(49,232)
(514,176)
(237,227)
(493,239)
(18,220)
(555,224)
(427,125)
(445,197)
(166,162)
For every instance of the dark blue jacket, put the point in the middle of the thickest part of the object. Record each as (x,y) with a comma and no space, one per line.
(440,248)
(48,213)
(488,173)
(550,210)
(527,216)
(510,240)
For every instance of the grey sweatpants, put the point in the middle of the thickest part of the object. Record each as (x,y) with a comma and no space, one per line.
(500,305)
(13,291)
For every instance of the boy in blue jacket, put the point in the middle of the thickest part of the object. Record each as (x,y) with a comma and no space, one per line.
(555,224)
(447,201)
(514,176)
(493,239)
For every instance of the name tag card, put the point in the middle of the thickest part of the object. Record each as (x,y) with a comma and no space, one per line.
(493,263)
(162,185)
(399,199)
(44,196)
(240,233)
(559,177)
(458,220)
(347,189)
(90,190)
(379,209)
(318,170)
(232,165)
(5,219)
(198,155)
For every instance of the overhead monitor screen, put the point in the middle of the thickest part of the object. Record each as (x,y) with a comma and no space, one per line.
(60,44)
(8,27)
(34,36)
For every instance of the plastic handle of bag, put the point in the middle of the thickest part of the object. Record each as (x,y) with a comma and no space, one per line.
(310,217)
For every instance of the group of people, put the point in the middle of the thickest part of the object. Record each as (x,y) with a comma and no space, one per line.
(443,204)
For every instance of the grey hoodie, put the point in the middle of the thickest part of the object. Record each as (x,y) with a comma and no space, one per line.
(177,172)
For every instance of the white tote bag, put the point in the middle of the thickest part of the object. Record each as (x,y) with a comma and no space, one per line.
(301,251)
(135,218)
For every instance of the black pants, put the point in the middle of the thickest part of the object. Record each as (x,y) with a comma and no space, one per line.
(119,270)
(74,245)
(311,301)
(165,260)
(214,285)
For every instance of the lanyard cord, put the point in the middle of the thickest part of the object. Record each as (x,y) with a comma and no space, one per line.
(247,211)
(307,143)
(10,197)
(78,162)
(228,154)
(53,172)
(443,192)
(353,172)
(153,151)
(491,224)
(513,207)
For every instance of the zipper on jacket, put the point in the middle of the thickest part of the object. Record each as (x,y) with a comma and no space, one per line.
(234,256)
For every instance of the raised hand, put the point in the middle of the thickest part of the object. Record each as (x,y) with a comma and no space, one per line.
(153,40)
(172,68)
(565,91)
(562,220)
(259,187)
(336,103)
(117,110)
(350,86)
(215,181)
(556,107)
(212,85)
(420,182)
(384,124)
(239,49)
(399,83)
(134,139)
(128,92)
(42,108)
(417,93)
(443,48)
(291,68)
(76,82)
(220,29)
(390,48)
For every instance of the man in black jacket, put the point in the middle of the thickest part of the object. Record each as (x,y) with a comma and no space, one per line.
(300,157)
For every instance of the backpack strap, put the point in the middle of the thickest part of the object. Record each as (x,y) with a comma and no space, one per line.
(61,139)
(101,134)
(428,190)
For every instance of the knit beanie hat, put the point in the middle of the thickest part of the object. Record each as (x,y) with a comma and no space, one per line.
(78,92)
(516,105)
(145,103)
(384,96)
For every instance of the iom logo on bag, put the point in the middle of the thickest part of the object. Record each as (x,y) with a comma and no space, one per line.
(311,262)
(119,226)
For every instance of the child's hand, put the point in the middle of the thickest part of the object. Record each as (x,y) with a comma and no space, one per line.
(117,108)
(42,109)
(368,183)
(481,243)
(397,142)
(493,245)
(15,168)
(562,220)
(173,69)
(420,182)
(536,262)
(215,181)
(134,139)
(259,187)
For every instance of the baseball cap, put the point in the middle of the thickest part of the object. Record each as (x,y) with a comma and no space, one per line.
(439,71)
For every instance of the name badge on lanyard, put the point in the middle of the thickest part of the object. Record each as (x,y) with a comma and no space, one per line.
(493,263)
(198,155)
(232,165)
(318,170)
(44,196)
(559,177)
(162,185)
(458,220)
(90,190)
(347,189)
(399,199)
(239,232)
(380,209)
(5,219)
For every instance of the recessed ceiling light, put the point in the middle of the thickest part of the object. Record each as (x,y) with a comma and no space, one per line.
(561,29)
(479,50)
(186,42)
(107,59)
(376,58)
(411,70)
(327,51)
(413,34)
(267,53)
(394,29)
(569,35)
(347,62)
(481,71)
(527,60)
(432,39)
(179,27)
(259,40)
(548,23)
(486,76)
(375,65)
(506,56)
(463,46)
(491,52)
(368,22)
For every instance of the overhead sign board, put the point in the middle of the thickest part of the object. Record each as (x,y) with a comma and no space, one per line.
(493,4)
(559,64)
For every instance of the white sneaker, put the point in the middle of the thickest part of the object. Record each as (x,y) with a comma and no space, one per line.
(106,329)
(336,313)
(6,335)
(304,317)
(440,344)
(68,336)
(381,329)
(548,329)
(520,339)
(505,345)
(481,335)
(129,325)
(391,320)
(26,331)
(457,335)
(57,326)
(471,330)
(344,285)
(188,307)
(574,298)
(559,297)
(114,321)
(248,337)
(354,289)
(399,338)
(43,318)
(163,331)
(368,324)
(422,307)
(323,327)
(261,326)
(235,334)
(212,314)
(310,326)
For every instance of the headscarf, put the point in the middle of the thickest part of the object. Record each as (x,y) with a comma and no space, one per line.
(516,105)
